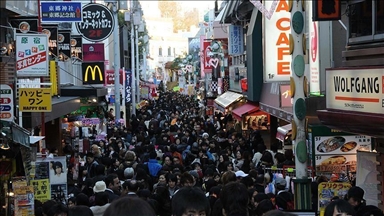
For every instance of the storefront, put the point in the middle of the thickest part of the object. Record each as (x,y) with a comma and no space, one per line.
(251,117)
(228,101)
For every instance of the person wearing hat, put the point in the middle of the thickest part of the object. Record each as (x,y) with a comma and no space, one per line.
(284,199)
(355,197)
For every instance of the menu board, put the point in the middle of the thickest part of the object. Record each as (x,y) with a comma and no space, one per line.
(341,145)
(328,190)
(24,201)
(335,163)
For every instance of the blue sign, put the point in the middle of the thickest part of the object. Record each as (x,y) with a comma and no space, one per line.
(128,87)
(61,12)
(5,108)
(236,40)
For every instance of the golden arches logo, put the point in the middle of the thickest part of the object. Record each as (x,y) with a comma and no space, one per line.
(93,71)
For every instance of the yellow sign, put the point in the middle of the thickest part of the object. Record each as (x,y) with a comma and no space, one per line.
(53,77)
(42,189)
(35,100)
(93,71)
(328,190)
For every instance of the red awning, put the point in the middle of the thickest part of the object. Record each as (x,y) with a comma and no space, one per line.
(245,109)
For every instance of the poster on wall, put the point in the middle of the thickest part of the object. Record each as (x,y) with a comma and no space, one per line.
(328,190)
(366,176)
(24,200)
(276,44)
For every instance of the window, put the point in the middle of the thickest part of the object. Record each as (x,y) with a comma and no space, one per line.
(366,21)
(160,51)
(169,51)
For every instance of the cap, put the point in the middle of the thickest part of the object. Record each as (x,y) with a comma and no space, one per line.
(99,187)
(240,173)
(194,174)
(357,193)
(280,181)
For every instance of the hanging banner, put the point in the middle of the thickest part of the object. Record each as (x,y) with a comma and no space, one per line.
(277,56)
(77,46)
(97,23)
(51,31)
(64,39)
(128,88)
(24,24)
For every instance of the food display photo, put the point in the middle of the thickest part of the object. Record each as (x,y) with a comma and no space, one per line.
(334,145)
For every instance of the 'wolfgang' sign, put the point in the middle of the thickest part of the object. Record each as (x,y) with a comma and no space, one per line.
(360,90)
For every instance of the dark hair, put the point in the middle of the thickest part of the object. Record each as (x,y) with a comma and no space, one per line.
(341,206)
(171,177)
(278,213)
(288,154)
(234,197)
(109,179)
(57,164)
(280,157)
(101,198)
(190,198)
(131,185)
(80,210)
(369,210)
(82,199)
(47,205)
(57,209)
(264,207)
(186,177)
(228,177)
(128,205)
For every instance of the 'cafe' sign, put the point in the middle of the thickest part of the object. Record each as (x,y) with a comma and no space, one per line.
(360,90)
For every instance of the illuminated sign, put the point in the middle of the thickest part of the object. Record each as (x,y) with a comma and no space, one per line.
(93,72)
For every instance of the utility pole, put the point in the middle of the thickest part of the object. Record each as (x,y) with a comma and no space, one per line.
(298,84)
(133,82)
(137,62)
(116,64)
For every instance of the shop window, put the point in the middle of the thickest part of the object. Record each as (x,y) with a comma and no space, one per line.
(160,51)
(366,21)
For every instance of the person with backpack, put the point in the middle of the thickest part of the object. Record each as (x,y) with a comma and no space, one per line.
(284,199)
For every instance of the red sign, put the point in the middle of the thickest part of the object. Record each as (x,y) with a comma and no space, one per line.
(325,10)
(5,100)
(32,60)
(93,52)
(285,96)
(110,77)
(5,115)
(207,58)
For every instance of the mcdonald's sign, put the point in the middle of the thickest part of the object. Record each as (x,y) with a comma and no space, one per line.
(93,72)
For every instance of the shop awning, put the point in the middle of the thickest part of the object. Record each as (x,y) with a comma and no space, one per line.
(228,98)
(243,110)
(353,122)
(283,131)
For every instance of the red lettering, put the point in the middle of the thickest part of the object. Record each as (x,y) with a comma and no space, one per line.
(95,33)
(281,52)
(282,6)
(279,24)
(283,68)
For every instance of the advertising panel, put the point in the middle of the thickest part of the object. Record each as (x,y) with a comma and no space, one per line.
(276,45)
(128,88)
(366,176)
(32,54)
(285,96)
(335,163)
(64,39)
(330,145)
(328,190)
(360,90)
(77,46)
(314,58)
(52,32)
(235,40)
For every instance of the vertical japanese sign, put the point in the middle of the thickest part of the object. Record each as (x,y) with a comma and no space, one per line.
(207,56)
(32,54)
(42,189)
(235,40)
(276,45)
(51,31)
(6,103)
(128,88)
(66,11)
(64,39)
(314,63)
(35,100)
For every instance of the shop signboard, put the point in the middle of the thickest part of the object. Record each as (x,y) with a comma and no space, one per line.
(93,52)
(66,11)
(314,58)
(110,77)
(52,32)
(328,190)
(97,23)
(6,103)
(93,72)
(24,200)
(35,100)
(358,90)
(235,40)
(128,87)
(337,164)
(340,145)
(32,55)
(90,121)
(25,24)
(276,45)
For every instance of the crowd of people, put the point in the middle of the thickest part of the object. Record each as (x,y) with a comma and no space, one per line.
(172,159)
